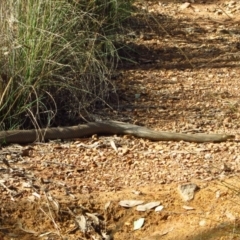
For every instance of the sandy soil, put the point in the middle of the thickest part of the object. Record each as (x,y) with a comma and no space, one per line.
(184,78)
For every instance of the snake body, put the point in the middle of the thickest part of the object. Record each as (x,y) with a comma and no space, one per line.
(108,127)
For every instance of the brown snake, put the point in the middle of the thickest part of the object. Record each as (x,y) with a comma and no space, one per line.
(108,127)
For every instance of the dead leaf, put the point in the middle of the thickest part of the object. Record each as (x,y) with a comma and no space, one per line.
(147,206)
(138,223)
(27,152)
(107,205)
(54,203)
(82,223)
(130,203)
(159,208)
(188,207)
(93,217)
(113,145)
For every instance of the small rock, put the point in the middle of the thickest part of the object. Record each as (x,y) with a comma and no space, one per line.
(218,194)
(188,207)
(202,223)
(185,5)
(208,156)
(187,191)
(230,216)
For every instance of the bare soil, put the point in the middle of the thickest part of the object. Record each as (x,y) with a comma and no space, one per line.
(184,77)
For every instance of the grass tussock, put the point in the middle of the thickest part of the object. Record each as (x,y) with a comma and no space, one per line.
(56,58)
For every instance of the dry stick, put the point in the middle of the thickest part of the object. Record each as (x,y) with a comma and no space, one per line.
(218,57)
(109,127)
(224,11)
(8,190)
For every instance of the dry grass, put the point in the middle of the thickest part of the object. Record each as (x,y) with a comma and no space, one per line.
(56,59)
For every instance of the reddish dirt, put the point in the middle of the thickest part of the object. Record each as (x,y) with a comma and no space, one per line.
(184,78)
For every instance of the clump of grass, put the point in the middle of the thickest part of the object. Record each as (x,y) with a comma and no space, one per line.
(56,58)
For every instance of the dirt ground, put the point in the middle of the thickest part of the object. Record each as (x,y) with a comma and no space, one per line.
(184,77)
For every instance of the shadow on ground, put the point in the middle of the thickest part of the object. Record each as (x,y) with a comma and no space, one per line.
(163,42)
(223,231)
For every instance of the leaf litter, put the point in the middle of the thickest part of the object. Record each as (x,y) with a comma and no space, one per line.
(51,181)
